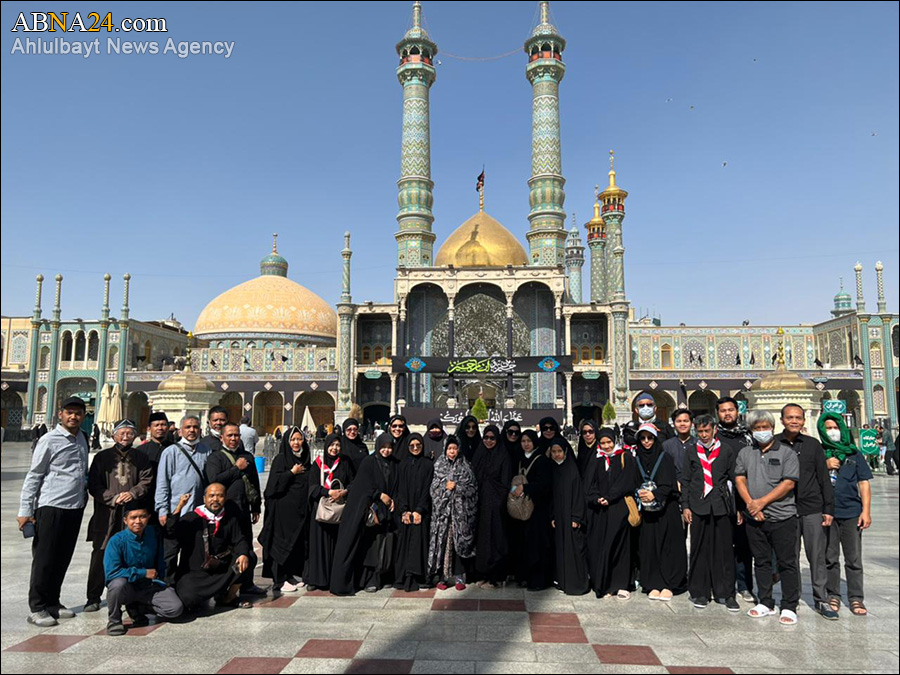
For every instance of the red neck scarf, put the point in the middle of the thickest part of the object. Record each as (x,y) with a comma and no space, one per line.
(706,462)
(327,471)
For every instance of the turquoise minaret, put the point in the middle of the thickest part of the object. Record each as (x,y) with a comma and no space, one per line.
(612,209)
(55,323)
(843,303)
(596,241)
(345,335)
(36,323)
(124,339)
(574,263)
(104,339)
(416,73)
(545,70)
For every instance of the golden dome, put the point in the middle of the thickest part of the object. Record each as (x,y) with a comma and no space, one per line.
(268,304)
(481,241)
(783,380)
(186,381)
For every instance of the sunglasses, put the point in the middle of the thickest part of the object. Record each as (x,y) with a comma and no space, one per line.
(471,427)
(397,426)
(512,432)
(490,438)
(547,428)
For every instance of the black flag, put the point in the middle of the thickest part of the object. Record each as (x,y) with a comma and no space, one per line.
(480,182)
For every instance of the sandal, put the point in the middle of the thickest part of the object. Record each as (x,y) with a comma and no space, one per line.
(760,611)
(788,617)
(835,604)
(623,595)
(654,595)
(665,595)
(857,608)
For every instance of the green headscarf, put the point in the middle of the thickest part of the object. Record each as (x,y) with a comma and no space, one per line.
(838,449)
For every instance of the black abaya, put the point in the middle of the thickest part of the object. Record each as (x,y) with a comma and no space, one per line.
(662,544)
(494,474)
(468,446)
(413,496)
(608,529)
(569,506)
(323,536)
(531,541)
(354,450)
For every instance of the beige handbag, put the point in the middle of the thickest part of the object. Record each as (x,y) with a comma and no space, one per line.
(329,511)
(522,507)
(634,513)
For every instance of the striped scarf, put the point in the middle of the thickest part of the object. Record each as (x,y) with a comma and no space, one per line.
(706,462)
(210,517)
(609,457)
(327,471)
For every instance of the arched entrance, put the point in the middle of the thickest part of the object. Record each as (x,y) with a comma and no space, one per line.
(851,398)
(234,404)
(268,411)
(321,409)
(702,403)
(137,409)
(12,411)
(84,388)
(376,412)
(470,392)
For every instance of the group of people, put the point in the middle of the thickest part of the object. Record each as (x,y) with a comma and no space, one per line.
(172,525)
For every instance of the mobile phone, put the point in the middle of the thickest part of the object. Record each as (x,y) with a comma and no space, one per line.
(28,530)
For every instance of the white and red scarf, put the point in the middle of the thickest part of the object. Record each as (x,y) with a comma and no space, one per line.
(609,457)
(328,471)
(210,517)
(706,460)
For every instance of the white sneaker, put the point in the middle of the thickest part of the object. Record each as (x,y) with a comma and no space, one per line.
(288,587)
(42,619)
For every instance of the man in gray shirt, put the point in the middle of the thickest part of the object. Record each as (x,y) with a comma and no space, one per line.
(249,437)
(181,471)
(54,495)
(765,475)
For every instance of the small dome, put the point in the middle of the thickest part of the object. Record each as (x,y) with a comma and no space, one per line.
(186,381)
(481,241)
(783,380)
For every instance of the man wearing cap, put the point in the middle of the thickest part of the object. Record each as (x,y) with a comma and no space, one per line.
(53,498)
(119,476)
(159,440)
(134,568)
(644,407)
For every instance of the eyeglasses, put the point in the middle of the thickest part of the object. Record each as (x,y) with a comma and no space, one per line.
(396,426)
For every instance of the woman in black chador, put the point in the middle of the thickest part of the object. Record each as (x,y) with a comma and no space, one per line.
(285,533)
(609,478)
(531,541)
(662,551)
(435,439)
(493,471)
(330,476)
(413,517)
(363,557)
(398,430)
(569,520)
(511,439)
(352,445)
(587,445)
(469,437)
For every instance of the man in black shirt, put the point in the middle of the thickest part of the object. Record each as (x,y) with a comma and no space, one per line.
(644,407)
(235,468)
(708,508)
(158,425)
(218,418)
(733,433)
(815,501)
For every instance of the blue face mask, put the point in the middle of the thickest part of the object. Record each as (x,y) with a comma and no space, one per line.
(646,412)
(763,437)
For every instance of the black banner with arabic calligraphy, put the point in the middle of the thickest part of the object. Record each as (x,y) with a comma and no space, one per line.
(490,365)
(453,416)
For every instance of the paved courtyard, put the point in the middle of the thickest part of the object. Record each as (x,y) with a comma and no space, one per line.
(476,631)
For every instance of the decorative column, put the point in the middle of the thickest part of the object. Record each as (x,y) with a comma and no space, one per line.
(545,70)
(890,372)
(596,241)
(860,301)
(54,353)
(574,263)
(402,379)
(613,213)
(451,340)
(569,420)
(124,337)
(104,340)
(393,393)
(882,303)
(416,73)
(510,389)
(345,318)
(558,344)
(36,324)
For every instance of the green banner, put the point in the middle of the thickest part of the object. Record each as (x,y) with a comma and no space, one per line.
(868,442)
(834,406)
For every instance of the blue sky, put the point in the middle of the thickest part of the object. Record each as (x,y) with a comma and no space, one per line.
(178,170)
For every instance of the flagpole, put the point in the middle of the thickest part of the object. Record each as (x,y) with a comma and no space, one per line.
(481,200)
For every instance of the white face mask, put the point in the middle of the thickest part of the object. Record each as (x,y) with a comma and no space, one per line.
(833,434)
(646,412)
(190,443)
(763,437)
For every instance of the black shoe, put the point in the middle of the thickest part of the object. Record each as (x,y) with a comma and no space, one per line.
(827,612)
(700,603)
(115,629)
(139,621)
(731,604)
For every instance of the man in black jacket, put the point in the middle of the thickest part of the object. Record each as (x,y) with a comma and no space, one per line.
(736,435)
(235,468)
(708,508)
(644,407)
(815,501)
(218,418)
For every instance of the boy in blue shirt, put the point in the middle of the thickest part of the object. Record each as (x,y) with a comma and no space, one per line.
(135,568)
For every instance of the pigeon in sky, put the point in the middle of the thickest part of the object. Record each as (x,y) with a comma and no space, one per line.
(668,100)
(874,134)
(724,164)
(692,107)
